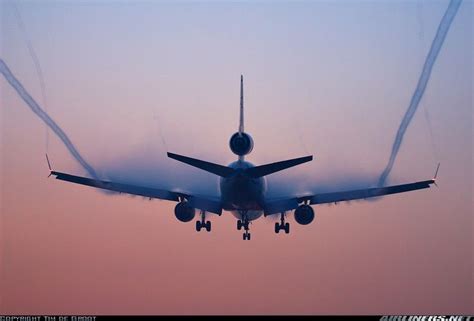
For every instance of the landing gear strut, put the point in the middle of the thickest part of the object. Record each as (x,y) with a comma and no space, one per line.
(203,223)
(282,225)
(244,223)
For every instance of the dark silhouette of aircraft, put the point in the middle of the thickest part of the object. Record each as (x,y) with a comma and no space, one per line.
(242,188)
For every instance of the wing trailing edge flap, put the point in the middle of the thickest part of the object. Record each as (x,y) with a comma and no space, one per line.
(281,205)
(200,202)
(205,204)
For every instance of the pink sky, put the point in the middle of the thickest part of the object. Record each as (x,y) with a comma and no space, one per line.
(329,80)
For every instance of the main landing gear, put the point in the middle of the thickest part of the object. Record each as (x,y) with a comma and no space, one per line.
(203,223)
(282,225)
(244,223)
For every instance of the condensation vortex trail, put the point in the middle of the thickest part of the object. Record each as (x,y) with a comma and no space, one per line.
(37,64)
(436,45)
(45,117)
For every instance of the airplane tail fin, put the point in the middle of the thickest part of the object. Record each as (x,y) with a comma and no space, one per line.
(241,122)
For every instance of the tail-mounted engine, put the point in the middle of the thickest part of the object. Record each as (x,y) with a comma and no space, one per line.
(241,144)
(184,212)
(304,214)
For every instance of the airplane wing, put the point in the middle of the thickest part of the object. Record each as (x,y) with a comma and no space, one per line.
(281,205)
(208,204)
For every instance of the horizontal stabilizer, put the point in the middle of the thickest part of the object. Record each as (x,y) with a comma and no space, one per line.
(268,169)
(217,169)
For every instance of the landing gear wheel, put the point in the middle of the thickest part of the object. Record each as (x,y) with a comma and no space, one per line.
(282,225)
(203,223)
(244,223)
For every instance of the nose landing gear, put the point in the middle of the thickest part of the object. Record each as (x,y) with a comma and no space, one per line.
(203,223)
(282,225)
(244,223)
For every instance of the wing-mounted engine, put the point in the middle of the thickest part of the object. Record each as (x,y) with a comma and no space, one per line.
(241,143)
(304,214)
(184,212)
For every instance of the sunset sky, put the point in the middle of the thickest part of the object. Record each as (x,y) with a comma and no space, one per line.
(128,81)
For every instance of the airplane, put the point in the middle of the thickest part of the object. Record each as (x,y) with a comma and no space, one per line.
(243,188)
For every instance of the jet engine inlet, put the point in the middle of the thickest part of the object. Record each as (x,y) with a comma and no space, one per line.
(304,214)
(184,212)
(241,144)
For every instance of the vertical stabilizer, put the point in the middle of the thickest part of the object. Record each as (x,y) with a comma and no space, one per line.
(240,142)
(241,122)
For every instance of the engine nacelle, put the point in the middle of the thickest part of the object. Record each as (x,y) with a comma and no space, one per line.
(304,214)
(184,212)
(241,144)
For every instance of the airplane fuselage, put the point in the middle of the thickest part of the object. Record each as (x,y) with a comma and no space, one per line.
(243,195)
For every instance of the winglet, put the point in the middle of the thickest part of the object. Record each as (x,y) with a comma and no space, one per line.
(49,165)
(436,175)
